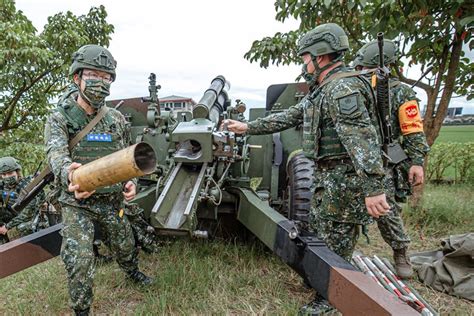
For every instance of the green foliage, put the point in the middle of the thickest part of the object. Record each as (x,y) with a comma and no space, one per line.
(423,28)
(28,155)
(459,156)
(281,46)
(35,66)
(434,33)
(310,13)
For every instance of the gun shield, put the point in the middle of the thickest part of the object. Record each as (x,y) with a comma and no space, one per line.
(125,164)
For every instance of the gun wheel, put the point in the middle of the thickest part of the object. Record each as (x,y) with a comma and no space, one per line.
(299,182)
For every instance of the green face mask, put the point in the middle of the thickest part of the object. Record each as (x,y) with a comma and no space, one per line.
(10,181)
(308,77)
(95,92)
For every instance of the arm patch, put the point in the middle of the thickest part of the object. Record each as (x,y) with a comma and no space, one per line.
(348,105)
(410,118)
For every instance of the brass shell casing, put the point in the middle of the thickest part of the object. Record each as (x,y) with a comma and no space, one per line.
(134,161)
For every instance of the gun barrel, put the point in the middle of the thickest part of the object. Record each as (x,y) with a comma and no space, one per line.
(380,42)
(25,200)
(206,104)
(422,76)
(125,164)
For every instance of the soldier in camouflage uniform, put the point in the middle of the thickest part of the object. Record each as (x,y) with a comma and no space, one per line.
(339,135)
(93,70)
(31,218)
(407,127)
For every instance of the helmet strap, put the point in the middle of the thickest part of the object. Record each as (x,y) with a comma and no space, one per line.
(319,70)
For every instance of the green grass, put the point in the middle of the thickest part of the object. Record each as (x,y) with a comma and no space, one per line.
(456,134)
(447,210)
(219,277)
(229,277)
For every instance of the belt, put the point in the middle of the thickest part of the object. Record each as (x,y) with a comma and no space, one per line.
(328,164)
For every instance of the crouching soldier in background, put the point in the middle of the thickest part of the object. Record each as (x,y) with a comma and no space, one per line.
(32,218)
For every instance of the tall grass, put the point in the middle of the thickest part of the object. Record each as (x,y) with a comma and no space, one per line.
(447,210)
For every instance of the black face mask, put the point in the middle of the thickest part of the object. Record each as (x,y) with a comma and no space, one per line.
(95,92)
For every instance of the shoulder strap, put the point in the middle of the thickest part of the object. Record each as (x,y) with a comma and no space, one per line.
(89,127)
(346,74)
(394,83)
(72,143)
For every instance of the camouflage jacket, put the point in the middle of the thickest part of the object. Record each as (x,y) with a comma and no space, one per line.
(406,122)
(57,137)
(353,126)
(8,216)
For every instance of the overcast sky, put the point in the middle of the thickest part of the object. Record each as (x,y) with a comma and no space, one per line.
(187,43)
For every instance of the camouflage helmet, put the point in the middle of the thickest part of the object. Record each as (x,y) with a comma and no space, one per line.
(9,164)
(368,55)
(323,39)
(93,57)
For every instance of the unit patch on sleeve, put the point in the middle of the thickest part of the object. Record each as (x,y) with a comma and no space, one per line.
(348,104)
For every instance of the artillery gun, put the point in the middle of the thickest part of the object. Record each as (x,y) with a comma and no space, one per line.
(204,175)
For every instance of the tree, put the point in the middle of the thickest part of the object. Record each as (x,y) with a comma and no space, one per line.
(35,70)
(434,33)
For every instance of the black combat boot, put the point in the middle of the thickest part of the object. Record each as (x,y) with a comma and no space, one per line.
(402,263)
(140,278)
(319,306)
(82,312)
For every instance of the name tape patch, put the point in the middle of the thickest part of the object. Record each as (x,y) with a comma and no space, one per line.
(100,137)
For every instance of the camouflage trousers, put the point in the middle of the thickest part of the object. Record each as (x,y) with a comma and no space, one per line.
(339,237)
(338,208)
(145,239)
(391,225)
(77,246)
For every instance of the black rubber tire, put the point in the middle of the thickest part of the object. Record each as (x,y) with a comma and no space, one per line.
(299,183)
